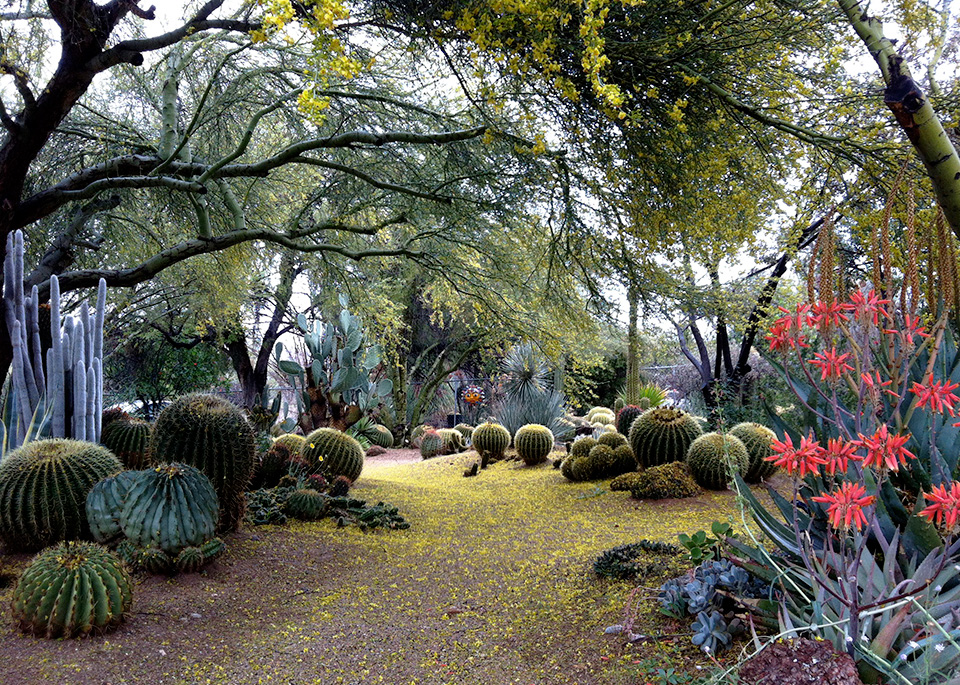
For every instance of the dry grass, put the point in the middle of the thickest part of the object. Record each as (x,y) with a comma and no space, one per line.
(492,584)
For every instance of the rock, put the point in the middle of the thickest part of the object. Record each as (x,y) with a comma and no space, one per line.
(613,630)
(799,662)
(375,451)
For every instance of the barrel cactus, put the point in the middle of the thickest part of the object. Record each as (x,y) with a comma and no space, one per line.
(43,491)
(213,435)
(625,462)
(307,505)
(533,442)
(105,504)
(663,435)
(275,463)
(129,440)
(332,453)
(757,439)
(603,418)
(714,458)
(490,440)
(612,440)
(582,447)
(465,429)
(453,441)
(592,414)
(566,467)
(603,462)
(170,507)
(431,444)
(72,589)
(381,436)
(626,417)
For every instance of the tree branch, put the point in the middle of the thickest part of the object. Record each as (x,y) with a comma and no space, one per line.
(370,180)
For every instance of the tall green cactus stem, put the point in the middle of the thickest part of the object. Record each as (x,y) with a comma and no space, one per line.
(71,590)
(211,434)
(490,440)
(533,442)
(714,458)
(332,453)
(170,507)
(431,444)
(626,417)
(663,435)
(43,491)
(105,504)
(129,440)
(757,439)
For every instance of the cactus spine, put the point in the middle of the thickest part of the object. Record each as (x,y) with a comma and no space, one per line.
(43,491)
(332,453)
(211,434)
(714,458)
(757,439)
(72,388)
(70,590)
(626,417)
(533,442)
(663,435)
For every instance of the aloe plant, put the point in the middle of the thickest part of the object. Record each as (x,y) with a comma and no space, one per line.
(335,389)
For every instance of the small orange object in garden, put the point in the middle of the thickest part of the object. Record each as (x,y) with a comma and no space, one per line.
(473,394)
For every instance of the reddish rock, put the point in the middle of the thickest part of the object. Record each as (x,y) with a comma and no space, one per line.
(799,662)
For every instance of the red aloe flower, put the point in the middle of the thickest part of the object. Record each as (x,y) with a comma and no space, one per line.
(869,306)
(885,450)
(945,507)
(838,455)
(831,364)
(912,327)
(875,384)
(824,315)
(803,459)
(939,395)
(846,506)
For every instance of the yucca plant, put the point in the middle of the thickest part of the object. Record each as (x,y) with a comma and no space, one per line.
(545,408)
(526,374)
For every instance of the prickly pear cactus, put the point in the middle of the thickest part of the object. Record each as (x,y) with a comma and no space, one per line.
(170,507)
(663,435)
(626,417)
(490,440)
(757,439)
(714,458)
(43,491)
(533,443)
(431,444)
(213,435)
(70,590)
(129,440)
(105,504)
(332,453)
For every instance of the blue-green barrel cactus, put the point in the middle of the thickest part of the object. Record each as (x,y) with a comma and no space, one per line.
(663,435)
(43,491)
(105,504)
(213,435)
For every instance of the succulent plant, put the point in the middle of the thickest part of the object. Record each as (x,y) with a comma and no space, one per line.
(673,602)
(154,561)
(213,435)
(603,419)
(625,463)
(618,404)
(592,414)
(113,414)
(626,561)
(43,491)
(276,461)
(465,429)
(583,469)
(671,480)
(307,505)
(453,441)
(626,482)
(626,417)
(431,444)
(612,440)
(603,461)
(757,439)
(490,440)
(417,433)
(70,590)
(212,549)
(714,458)
(382,436)
(189,560)
(582,447)
(105,504)
(129,440)
(663,435)
(566,467)
(710,632)
(170,507)
(533,442)
(332,453)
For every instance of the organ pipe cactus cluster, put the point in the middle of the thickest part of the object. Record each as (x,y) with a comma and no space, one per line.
(335,390)
(71,590)
(71,389)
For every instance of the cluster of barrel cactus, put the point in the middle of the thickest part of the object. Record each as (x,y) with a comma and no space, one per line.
(604,457)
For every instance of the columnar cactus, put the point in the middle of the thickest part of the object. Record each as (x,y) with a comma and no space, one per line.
(431,444)
(129,440)
(170,507)
(757,439)
(43,491)
(533,442)
(626,417)
(71,590)
(332,453)
(490,440)
(105,504)
(211,434)
(382,436)
(663,435)
(714,458)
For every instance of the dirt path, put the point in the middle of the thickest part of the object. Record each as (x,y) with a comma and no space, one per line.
(491,584)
